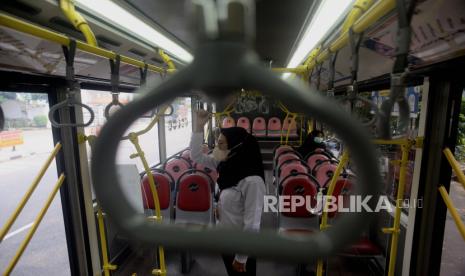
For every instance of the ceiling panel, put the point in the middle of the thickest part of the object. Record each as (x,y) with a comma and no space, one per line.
(278,23)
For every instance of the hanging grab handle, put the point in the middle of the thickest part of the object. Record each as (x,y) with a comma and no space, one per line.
(218,66)
(114,67)
(355,41)
(399,73)
(73,86)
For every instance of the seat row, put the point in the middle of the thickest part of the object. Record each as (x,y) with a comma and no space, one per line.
(185,190)
(260,128)
(305,177)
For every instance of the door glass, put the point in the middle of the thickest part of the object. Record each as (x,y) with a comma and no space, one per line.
(25,144)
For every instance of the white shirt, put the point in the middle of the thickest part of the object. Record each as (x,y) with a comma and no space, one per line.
(239,206)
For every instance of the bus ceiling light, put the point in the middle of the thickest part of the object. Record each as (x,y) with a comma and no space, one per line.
(329,12)
(117,16)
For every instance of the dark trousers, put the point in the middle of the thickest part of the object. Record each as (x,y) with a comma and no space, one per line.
(250,266)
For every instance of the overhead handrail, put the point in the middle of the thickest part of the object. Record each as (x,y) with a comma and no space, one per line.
(72,90)
(453,211)
(75,18)
(114,67)
(399,73)
(29,192)
(46,34)
(359,8)
(221,64)
(34,227)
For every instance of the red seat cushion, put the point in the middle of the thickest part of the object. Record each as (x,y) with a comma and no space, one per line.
(363,247)
(324,172)
(162,184)
(193,193)
(294,166)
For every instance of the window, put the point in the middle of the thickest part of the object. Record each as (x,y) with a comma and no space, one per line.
(178,126)
(98,100)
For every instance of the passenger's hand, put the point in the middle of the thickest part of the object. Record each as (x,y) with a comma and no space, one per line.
(202,117)
(237,266)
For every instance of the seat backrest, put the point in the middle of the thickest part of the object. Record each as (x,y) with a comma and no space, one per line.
(314,159)
(164,184)
(280,149)
(299,185)
(194,192)
(210,171)
(343,185)
(176,166)
(259,126)
(286,156)
(274,126)
(292,166)
(324,172)
(228,122)
(289,123)
(186,154)
(244,122)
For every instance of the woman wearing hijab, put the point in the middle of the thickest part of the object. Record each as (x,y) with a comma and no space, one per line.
(239,163)
(313,141)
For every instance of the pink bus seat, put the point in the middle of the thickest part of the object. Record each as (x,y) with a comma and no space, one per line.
(290,123)
(274,127)
(244,122)
(314,159)
(228,122)
(176,166)
(259,127)
(324,172)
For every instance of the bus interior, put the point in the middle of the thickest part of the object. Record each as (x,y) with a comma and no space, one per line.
(99,100)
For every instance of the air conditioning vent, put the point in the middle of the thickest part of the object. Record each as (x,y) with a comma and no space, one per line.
(20,7)
(105,40)
(137,52)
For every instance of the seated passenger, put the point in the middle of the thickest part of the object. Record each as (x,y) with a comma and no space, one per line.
(239,163)
(313,141)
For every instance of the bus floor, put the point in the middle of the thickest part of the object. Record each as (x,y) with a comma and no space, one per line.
(142,260)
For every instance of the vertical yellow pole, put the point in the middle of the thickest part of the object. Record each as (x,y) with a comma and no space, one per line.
(29,192)
(35,225)
(324,215)
(394,231)
(107,266)
(140,153)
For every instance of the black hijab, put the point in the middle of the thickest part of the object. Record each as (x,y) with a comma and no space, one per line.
(309,144)
(244,159)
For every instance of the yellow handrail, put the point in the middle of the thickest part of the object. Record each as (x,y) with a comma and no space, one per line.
(378,10)
(166,59)
(324,215)
(35,225)
(107,266)
(453,211)
(133,137)
(359,7)
(34,30)
(455,166)
(395,229)
(67,6)
(29,192)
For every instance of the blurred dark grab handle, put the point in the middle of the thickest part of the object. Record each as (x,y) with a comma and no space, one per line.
(69,103)
(219,67)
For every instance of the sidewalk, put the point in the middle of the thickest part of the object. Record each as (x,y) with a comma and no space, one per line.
(32,138)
